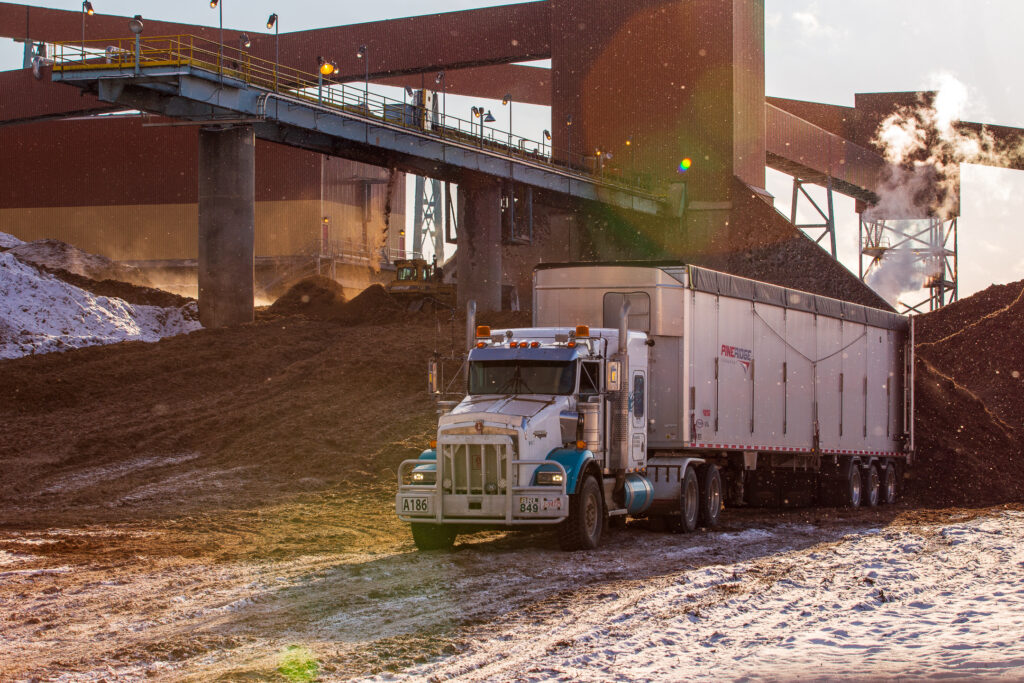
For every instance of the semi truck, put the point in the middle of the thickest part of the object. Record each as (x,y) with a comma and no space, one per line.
(665,391)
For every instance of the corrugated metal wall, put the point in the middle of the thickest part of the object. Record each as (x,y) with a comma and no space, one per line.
(111,186)
(671,76)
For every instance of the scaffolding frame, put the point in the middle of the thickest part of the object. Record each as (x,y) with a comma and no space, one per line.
(931,241)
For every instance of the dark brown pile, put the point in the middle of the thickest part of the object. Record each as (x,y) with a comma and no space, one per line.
(970,403)
(372,305)
(315,296)
(133,294)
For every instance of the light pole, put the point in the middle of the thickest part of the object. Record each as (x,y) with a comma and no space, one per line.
(135,26)
(632,166)
(568,135)
(361,53)
(86,9)
(272,23)
(486,118)
(324,68)
(507,100)
(545,140)
(439,80)
(215,4)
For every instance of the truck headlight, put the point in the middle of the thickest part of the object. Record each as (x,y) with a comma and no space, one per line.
(425,477)
(550,478)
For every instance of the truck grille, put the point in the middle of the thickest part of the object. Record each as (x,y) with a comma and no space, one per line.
(475,468)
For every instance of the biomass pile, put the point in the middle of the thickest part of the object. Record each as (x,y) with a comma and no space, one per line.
(40,313)
(315,296)
(56,255)
(970,416)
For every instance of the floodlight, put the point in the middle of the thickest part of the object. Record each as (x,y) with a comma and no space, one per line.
(361,52)
(87,8)
(244,41)
(271,20)
(135,25)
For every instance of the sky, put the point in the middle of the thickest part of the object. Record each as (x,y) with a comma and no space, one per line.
(818,50)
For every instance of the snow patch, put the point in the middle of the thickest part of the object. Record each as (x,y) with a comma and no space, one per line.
(8,241)
(40,314)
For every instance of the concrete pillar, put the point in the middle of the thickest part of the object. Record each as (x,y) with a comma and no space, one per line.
(227,218)
(479,253)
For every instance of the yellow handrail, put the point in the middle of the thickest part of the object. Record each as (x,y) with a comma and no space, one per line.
(237,64)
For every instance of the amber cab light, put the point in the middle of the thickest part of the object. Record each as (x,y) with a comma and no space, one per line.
(433,443)
(582,330)
(480,345)
(483,330)
(534,345)
(512,345)
(581,445)
(571,344)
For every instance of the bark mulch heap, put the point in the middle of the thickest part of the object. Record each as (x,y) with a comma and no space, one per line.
(970,401)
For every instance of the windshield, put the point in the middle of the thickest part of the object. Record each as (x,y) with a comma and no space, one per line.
(522,377)
(406,273)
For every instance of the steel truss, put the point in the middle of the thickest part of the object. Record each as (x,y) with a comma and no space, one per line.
(928,245)
(827,228)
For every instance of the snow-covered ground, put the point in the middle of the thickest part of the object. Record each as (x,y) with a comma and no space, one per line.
(943,600)
(40,314)
(8,241)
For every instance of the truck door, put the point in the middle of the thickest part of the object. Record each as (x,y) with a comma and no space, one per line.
(638,418)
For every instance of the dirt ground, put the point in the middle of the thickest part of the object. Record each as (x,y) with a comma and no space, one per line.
(235,594)
(218,506)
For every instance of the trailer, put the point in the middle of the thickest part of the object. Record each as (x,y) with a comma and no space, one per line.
(666,391)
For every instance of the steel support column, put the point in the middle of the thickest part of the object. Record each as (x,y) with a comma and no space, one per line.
(227,219)
(479,255)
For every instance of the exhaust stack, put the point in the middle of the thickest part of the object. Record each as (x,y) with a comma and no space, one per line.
(619,446)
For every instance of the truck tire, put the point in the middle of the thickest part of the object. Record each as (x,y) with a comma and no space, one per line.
(710,496)
(871,487)
(433,536)
(849,486)
(889,491)
(582,530)
(689,505)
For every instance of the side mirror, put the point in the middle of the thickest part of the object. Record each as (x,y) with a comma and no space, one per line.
(613,381)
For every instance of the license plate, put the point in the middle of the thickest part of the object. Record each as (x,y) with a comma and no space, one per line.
(416,506)
(539,505)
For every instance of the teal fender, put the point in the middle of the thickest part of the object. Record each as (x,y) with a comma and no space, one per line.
(573,460)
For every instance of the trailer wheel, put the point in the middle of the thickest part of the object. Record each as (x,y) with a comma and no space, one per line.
(433,536)
(689,506)
(871,486)
(889,491)
(850,485)
(582,530)
(710,496)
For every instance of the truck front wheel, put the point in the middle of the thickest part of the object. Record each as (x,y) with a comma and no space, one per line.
(433,536)
(582,530)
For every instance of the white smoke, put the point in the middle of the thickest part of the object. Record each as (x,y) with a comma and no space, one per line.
(926,143)
(897,274)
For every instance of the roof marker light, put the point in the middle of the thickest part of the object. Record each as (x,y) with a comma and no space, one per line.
(534,345)
(483,331)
